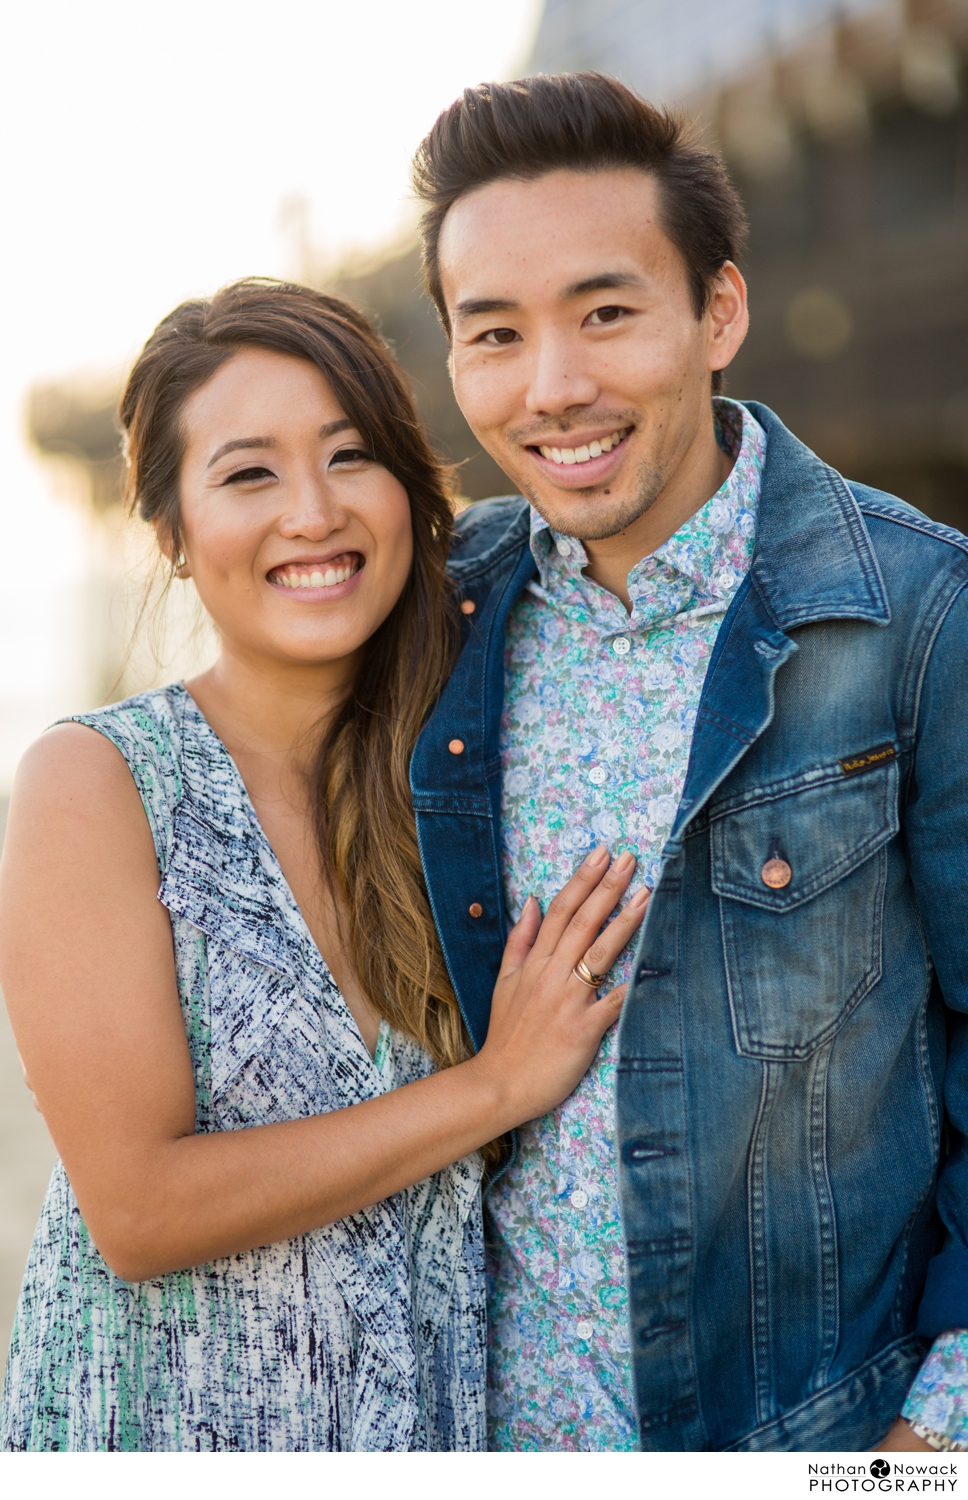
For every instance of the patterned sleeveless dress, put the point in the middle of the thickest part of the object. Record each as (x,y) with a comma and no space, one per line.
(367,1335)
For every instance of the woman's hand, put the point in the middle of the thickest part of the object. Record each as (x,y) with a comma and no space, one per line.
(546,1024)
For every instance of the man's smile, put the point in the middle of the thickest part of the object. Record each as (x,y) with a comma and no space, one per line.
(588,461)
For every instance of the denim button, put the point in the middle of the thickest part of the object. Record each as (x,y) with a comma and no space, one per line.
(468,607)
(476,909)
(456,747)
(776,873)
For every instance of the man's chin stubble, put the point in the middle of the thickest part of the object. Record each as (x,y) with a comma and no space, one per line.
(593,514)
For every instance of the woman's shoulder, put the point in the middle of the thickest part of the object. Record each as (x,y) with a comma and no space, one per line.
(147,732)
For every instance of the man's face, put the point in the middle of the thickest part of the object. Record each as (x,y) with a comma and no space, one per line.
(577,356)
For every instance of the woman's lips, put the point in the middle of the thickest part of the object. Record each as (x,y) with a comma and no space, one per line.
(582,473)
(312,581)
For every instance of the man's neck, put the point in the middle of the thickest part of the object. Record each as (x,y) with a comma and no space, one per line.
(703,470)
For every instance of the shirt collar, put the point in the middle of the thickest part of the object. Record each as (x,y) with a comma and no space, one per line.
(699,567)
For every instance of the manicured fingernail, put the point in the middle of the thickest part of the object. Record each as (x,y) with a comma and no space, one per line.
(640,898)
(598,856)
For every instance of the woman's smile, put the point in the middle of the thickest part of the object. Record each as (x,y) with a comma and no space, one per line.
(318,579)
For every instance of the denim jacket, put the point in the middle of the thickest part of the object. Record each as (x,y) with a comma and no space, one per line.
(792,1094)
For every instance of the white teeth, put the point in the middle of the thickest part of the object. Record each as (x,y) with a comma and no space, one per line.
(583,454)
(318,578)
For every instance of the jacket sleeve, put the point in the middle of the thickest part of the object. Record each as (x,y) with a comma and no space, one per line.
(936,827)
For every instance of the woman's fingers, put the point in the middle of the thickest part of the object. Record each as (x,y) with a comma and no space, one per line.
(605,1012)
(562,908)
(584,927)
(521,938)
(614,937)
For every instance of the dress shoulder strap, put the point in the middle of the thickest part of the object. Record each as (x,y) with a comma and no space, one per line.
(147,730)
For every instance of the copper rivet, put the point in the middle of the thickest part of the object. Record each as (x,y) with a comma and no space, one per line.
(476,909)
(456,747)
(776,873)
(467,607)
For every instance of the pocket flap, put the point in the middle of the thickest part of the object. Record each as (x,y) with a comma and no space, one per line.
(824,824)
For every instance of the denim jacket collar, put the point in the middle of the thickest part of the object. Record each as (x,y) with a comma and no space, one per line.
(807,512)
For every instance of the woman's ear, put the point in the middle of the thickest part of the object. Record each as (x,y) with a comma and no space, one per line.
(166,546)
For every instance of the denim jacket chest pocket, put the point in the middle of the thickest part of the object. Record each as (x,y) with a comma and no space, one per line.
(800,956)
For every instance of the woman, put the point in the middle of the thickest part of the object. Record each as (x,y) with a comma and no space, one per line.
(265,1233)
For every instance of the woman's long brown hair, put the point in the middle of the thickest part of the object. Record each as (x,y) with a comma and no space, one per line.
(360,775)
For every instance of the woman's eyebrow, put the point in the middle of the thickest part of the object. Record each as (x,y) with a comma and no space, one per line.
(328,429)
(235,443)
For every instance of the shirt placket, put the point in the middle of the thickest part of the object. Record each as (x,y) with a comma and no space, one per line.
(585,1120)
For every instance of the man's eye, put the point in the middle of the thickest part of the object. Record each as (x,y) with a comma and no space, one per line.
(351,456)
(500,336)
(248,476)
(605,315)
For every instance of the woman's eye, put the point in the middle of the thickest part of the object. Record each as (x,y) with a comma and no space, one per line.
(606,315)
(500,336)
(351,456)
(251,475)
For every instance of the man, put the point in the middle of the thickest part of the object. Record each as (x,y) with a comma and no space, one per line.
(699,644)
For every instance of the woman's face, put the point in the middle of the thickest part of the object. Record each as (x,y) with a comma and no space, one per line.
(298,542)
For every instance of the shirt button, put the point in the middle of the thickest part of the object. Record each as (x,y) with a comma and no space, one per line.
(476,909)
(621,645)
(584,1329)
(598,775)
(579,1198)
(564,548)
(456,747)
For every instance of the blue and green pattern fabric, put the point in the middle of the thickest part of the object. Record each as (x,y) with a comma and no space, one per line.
(365,1335)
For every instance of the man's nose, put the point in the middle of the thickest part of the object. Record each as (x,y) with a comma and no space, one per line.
(558,379)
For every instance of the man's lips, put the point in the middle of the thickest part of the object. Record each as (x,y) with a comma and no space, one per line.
(573,470)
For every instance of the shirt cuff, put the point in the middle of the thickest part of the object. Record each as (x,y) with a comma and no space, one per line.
(938,1399)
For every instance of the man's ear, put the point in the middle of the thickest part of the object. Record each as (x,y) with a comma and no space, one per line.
(727,317)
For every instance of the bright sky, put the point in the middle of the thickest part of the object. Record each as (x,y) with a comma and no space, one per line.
(150,154)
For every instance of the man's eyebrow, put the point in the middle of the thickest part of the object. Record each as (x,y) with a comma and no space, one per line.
(608,281)
(328,429)
(474,306)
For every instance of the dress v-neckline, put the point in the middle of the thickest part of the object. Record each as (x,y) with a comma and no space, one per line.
(220,750)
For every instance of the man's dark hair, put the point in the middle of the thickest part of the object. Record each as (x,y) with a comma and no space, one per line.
(582,122)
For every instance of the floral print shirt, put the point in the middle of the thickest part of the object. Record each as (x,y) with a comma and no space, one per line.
(598,717)
(938,1399)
